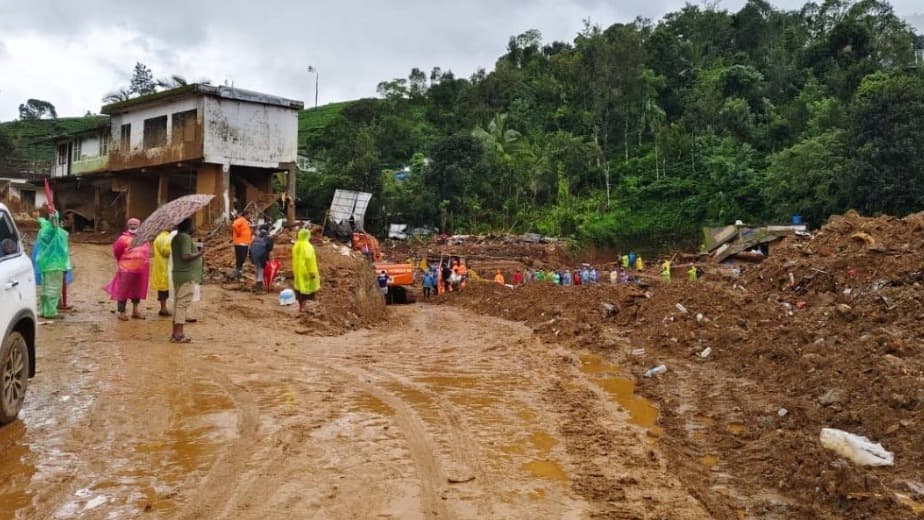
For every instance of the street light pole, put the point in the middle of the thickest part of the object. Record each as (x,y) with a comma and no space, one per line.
(312,68)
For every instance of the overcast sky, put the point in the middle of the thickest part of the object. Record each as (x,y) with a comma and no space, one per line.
(73,52)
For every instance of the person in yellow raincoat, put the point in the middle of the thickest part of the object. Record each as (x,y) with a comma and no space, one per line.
(692,275)
(639,263)
(160,277)
(307,279)
(666,272)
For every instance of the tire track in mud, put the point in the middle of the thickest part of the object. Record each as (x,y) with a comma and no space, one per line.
(424,452)
(430,472)
(619,472)
(212,497)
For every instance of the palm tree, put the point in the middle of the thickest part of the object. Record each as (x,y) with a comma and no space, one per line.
(176,80)
(173,81)
(122,94)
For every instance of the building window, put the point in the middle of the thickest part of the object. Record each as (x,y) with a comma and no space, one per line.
(76,150)
(125,140)
(155,132)
(184,127)
(103,144)
(62,154)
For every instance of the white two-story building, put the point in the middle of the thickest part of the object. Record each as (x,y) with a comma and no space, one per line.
(196,138)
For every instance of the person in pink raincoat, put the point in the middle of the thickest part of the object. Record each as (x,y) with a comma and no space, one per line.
(133,269)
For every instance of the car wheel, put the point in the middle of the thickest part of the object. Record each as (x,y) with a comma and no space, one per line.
(14,376)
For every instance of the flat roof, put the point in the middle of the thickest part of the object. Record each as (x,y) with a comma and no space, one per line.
(201,89)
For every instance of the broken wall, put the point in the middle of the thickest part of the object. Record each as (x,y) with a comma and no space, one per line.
(240,133)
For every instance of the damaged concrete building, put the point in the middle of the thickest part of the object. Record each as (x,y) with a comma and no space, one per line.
(197,138)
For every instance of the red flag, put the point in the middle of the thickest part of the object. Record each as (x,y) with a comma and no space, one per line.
(49,196)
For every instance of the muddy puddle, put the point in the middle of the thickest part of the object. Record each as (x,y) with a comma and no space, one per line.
(621,388)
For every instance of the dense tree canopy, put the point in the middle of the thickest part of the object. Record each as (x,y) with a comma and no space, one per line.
(643,129)
(37,109)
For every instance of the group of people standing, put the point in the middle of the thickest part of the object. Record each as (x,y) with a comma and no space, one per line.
(447,276)
(176,257)
(258,248)
(306,277)
(585,275)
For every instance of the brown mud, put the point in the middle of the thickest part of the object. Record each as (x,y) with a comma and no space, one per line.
(827,332)
(435,413)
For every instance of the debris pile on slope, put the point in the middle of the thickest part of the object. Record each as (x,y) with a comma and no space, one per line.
(348,299)
(827,332)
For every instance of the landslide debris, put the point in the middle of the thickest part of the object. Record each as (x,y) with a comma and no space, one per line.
(827,332)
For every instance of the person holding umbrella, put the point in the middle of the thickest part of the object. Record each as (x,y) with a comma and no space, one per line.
(133,269)
(187,259)
(187,272)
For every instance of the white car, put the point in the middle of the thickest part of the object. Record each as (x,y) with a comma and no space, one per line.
(17,318)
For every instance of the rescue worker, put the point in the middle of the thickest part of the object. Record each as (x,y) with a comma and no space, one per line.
(639,263)
(260,250)
(382,281)
(517,277)
(306,277)
(241,237)
(692,274)
(499,278)
(666,272)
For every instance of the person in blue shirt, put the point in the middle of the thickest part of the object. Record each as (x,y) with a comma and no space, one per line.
(429,282)
(382,280)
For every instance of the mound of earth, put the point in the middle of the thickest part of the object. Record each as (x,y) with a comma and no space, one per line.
(837,343)
(484,253)
(349,298)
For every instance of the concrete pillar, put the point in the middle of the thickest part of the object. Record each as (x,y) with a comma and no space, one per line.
(162,189)
(226,189)
(208,182)
(97,209)
(290,192)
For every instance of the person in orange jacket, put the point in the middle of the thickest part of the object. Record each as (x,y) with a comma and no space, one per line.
(499,278)
(241,237)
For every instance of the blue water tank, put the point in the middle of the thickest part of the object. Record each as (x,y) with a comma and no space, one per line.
(797,220)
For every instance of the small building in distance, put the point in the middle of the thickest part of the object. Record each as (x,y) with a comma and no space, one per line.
(196,138)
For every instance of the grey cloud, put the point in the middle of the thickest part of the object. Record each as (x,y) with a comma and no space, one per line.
(354,43)
(917,21)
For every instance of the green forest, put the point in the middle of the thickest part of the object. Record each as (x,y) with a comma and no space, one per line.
(644,131)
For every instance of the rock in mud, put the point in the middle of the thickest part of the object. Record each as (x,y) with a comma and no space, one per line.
(832,396)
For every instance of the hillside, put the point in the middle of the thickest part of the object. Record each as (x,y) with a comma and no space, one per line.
(28,135)
(312,121)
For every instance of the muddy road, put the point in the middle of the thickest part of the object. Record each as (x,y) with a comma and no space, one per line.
(438,414)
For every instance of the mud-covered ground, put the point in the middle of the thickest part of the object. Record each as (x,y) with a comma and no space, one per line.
(496,402)
(827,332)
(435,413)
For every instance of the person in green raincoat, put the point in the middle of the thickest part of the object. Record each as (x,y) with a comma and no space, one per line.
(307,279)
(52,260)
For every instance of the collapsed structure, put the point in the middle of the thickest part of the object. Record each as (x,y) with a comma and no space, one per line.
(196,138)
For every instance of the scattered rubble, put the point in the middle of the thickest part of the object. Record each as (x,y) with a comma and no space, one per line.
(829,327)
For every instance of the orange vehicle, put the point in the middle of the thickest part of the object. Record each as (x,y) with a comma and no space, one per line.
(400,276)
